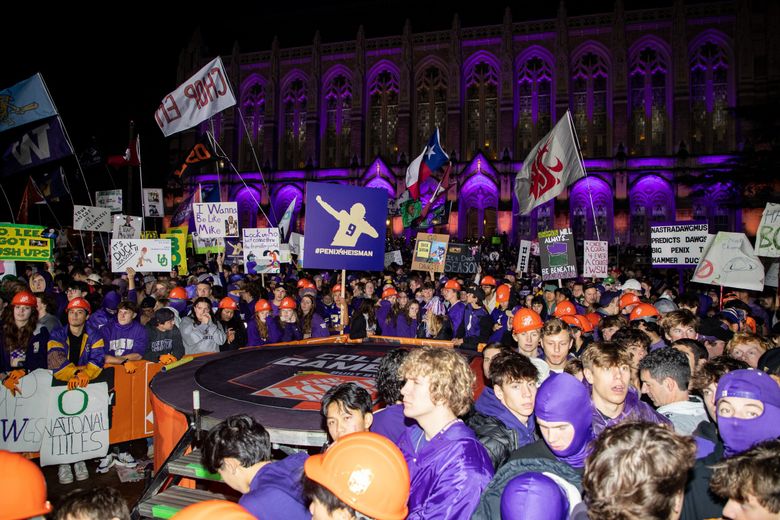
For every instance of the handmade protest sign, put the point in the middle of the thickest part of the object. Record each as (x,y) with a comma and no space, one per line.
(153,202)
(729,261)
(111,199)
(23,416)
(523,255)
(345,227)
(556,248)
(679,244)
(462,258)
(768,234)
(24,242)
(234,251)
(76,426)
(261,250)
(91,218)
(595,262)
(430,252)
(126,226)
(215,219)
(207,245)
(295,243)
(147,256)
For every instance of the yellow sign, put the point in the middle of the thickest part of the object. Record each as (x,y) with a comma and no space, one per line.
(178,251)
(24,242)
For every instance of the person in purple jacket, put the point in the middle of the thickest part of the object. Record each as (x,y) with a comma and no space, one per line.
(125,339)
(312,324)
(607,369)
(406,326)
(239,450)
(390,420)
(386,312)
(262,328)
(448,466)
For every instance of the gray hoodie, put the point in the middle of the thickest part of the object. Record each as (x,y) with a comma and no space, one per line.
(685,415)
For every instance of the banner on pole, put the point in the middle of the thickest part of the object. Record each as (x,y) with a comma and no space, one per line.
(153,202)
(111,199)
(729,261)
(24,242)
(145,256)
(23,417)
(261,250)
(25,102)
(178,250)
(127,227)
(33,145)
(595,262)
(523,255)
(76,426)
(556,248)
(768,235)
(462,258)
(91,218)
(678,244)
(430,252)
(215,219)
(393,256)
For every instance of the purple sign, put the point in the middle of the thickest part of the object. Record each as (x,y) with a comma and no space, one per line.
(32,145)
(345,227)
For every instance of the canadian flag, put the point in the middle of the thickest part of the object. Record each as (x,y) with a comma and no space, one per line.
(553,164)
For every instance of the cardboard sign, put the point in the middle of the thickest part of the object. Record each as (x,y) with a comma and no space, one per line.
(595,262)
(295,243)
(772,273)
(430,252)
(393,256)
(91,218)
(23,242)
(207,245)
(462,258)
(768,234)
(729,261)
(215,219)
(23,417)
(556,248)
(234,251)
(261,250)
(523,255)
(178,251)
(678,244)
(145,256)
(127,227)
(153,202)
(111,199)
(345,227)
(76,425)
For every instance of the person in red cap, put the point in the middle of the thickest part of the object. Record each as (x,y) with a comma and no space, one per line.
(235,331)
(23,488)
(77,357)
(22,342)
(288,320)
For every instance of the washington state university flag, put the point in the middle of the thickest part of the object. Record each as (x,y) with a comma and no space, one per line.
(553,164)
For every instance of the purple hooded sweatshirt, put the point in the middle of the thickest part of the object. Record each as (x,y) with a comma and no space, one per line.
(633,410)
(121,340)
(455,313)
(488,404)
(253,336)
(448,473)
(277,492)
(405,328)
(391,422)
(382,312)
(562,398)
(106,314)
(534,495)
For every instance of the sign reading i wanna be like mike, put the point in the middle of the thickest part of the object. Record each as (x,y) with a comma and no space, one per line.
(345,227)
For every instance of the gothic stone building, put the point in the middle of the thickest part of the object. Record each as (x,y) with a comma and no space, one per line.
(651,93)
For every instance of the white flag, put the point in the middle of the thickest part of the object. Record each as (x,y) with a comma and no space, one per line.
(205,94)
(553,164)
(729,261)
(284,224)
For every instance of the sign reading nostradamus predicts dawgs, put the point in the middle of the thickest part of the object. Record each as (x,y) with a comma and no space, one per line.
(678,244)
(556,248)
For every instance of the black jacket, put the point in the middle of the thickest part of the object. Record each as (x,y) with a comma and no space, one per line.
(357,326)
(238,326)
(699,501)
(498,440)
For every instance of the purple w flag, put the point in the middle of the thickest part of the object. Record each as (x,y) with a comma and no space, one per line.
(33,145)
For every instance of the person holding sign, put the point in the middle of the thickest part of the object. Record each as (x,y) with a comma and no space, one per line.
(351,225)
(23,341)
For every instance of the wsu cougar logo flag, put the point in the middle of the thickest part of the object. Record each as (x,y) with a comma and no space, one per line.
(553,164)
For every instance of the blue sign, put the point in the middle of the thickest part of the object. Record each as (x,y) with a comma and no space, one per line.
(345,227)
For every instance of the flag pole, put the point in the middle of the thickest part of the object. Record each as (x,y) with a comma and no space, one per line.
(140,180)
(254,156)
(587,179)
(10,208)
(51,210)
(212,139)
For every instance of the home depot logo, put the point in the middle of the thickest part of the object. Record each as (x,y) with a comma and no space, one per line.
(309,387)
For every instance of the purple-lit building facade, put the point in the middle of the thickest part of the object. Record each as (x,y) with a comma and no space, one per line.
(650,93)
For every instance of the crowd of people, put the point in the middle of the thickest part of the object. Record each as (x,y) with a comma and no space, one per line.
(603,399)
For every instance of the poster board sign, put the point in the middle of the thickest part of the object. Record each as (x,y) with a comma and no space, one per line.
(207,245)
(261,250)
(23,416)
(111,199)
(215,219)
(234,251)
(556,248)
(76,426)
(24,242)
(285,255)
(595,262)
(91,218)
(127,227)
(153,202)
(768,234)
(178,251)
(678,244)
(729,261)
(295,243)
(345,227)
(430,252)
(145,256)
(393,256)
(772,273)
(523,256)
(462,258)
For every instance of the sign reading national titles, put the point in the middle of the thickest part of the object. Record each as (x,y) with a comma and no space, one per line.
(345,227)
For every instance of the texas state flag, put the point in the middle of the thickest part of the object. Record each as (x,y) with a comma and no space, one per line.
(432,159)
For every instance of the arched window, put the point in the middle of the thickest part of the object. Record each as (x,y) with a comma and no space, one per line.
(383,114)
(534,101)
(253,112)
(648,90)
(294,107)
(709,96)
(338,106)
(431,104)
(590,102)
(482,110)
